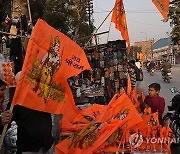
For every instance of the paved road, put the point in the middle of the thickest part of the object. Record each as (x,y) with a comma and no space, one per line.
(165,90)
(165,87)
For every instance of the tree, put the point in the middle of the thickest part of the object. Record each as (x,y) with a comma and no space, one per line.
(174,15)
(68,16)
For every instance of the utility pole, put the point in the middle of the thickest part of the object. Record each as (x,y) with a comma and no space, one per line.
(152,42)
(89,10)
(145,35)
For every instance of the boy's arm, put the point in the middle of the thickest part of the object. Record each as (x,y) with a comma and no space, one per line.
(161,107)
(143,104)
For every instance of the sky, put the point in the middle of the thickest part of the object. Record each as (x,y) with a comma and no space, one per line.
(143,20)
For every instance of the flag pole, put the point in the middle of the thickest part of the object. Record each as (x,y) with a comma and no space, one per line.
(29,10)
(5,129)
(5,33)
(99,26)
(109,32)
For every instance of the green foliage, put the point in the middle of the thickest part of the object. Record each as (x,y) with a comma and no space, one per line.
(174,15)
(68,17)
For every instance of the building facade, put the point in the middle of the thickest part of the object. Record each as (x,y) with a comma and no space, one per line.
(146,48)
(163,49)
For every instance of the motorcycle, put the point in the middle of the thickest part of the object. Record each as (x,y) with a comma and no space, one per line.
(166,76)
(172,118)
(152,70)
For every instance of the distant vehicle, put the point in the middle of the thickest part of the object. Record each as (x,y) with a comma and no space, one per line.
(166,76)
(152,70)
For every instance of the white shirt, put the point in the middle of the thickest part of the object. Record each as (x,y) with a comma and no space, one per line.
(138,64)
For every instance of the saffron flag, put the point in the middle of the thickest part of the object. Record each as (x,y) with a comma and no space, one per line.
(103,131)
(162,6)
(129,88)
(138,55)
(51,58)
(134,98)
(8,74)
(119,18)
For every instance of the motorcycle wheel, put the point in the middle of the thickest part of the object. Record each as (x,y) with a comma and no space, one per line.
(167,80)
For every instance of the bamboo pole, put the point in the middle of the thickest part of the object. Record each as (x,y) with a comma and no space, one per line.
(29,10)
(13,34)
(99,27)
(109,32)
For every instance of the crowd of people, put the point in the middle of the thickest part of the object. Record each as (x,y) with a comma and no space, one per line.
(163,65)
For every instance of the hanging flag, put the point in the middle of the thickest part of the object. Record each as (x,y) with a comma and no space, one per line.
(8,74)
(138,55)
(51,58)
(119,18)
(162,6)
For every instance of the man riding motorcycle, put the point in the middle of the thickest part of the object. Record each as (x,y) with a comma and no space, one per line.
(166,68)
(151,67)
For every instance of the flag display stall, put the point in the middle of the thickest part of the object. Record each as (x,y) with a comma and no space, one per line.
(109,66)
(51,59)
(116,127)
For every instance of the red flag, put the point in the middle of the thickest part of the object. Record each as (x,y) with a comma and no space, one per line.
(119,18)
(51,58)
(162,6)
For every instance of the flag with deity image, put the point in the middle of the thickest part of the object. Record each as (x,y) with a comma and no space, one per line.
(51,58)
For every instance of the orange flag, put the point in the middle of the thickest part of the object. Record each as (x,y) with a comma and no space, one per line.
(138,55)
(119,18)
(51,58)
(134,97)
(162,6)
(8,74)
(129,88)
